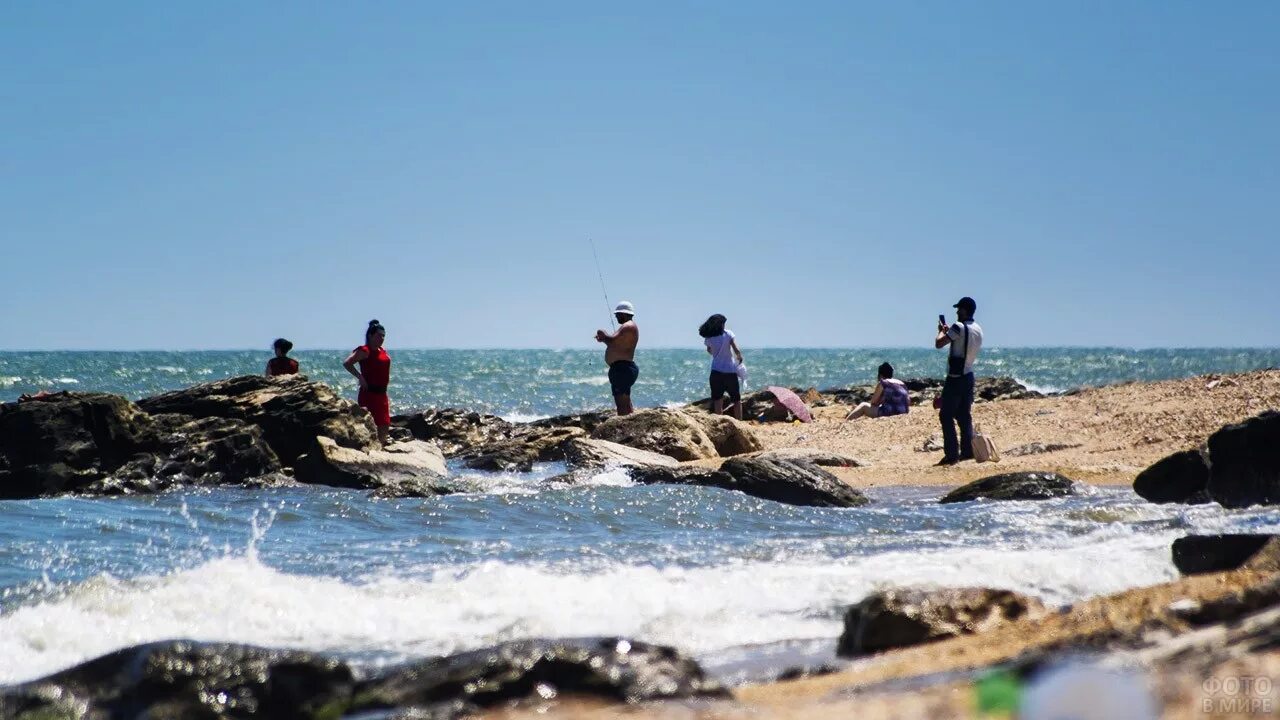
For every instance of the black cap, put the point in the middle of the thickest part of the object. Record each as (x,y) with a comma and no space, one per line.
(967,303)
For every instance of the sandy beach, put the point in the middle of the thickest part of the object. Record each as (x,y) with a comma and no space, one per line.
(1117,431)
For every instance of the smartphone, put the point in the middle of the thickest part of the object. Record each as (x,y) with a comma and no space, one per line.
(942,319)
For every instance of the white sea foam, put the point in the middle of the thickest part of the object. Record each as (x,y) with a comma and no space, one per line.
(66,381)
(706,610)
(523,418)
(1046,389)
(9,381)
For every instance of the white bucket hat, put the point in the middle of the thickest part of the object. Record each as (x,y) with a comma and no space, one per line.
(626,308)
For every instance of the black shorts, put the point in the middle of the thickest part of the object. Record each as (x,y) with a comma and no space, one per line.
(622,375)
(725,382)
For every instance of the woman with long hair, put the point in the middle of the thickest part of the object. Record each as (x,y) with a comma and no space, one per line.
(374,375)
(725,359)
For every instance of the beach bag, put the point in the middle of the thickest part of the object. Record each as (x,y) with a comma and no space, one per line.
(984,448)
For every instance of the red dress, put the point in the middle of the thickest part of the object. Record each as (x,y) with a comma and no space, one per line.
(282,366)
(376,369)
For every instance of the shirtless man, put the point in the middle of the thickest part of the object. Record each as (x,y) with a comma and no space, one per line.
(620,355)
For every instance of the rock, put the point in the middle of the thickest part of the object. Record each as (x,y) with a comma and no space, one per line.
(1245,462)
(613,668)
(455,430)
(103,444)
(1037,448)
(590,453)
(1014,486)
(910,616)
(1267,559)
(1195,554)
(290,409)
(789,481)
(680,475)
(587,421)
(933,443)
(519,452)
(729,436)
(184,679)
(989,389)
(821,458)
(416,463)
(663,430)
(1180,478)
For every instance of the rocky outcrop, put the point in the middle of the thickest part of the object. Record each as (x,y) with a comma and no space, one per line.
(1014,486)
(185,679)
(1180,478)
(103,444)
(587,421)
(454,430)
(663,430)
(789,481)
(910,616)
(1195,554)
(413,468)
(681,475)
(727,435)
(290,409)
(1245,462)
(588,453)
(519,452)
(821,458)
(1039,448)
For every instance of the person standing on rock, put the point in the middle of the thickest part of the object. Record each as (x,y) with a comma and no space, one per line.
(965,338)
(620,355)
(282,364)
(722,345)
(374,376)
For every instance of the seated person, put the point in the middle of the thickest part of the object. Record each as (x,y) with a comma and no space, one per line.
(890,397)
(281,364)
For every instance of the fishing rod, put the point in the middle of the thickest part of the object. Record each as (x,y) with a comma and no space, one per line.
(608,306)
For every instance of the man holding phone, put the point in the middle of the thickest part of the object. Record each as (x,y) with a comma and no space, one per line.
(965,339)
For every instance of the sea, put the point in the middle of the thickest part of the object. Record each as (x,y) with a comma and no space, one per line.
(746,586)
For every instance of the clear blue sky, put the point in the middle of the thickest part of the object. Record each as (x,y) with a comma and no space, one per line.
(212,175)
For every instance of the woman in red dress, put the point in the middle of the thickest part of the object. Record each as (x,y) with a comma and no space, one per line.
(374,375)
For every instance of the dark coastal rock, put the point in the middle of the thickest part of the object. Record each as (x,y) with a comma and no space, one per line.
(910,616)
(789,481)
(728,436)
(103,444)
(612,668)
(759,405)
(290,409)
(414,467)
(822,458)
(663,430)
(587,421)
(519,452)
(1014,486)
(680,475)
(454,430)
(1038,448)
(1195,554)
(183,679)
(588,453)
(1245,462)
(1180,478)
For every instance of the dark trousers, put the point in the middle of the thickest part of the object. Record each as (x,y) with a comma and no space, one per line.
(957,409)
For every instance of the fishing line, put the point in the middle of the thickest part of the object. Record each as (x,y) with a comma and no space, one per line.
(608,306)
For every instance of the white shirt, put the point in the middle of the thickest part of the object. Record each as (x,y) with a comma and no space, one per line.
(722,359)
(956,333)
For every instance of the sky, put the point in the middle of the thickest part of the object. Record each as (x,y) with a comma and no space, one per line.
(826,174)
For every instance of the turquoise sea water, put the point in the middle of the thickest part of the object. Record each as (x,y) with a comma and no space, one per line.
(533,383)
(736,581)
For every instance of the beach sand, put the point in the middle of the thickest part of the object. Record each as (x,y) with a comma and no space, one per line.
(1120,430)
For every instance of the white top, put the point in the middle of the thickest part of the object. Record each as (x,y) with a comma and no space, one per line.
(956,333)
(722,359)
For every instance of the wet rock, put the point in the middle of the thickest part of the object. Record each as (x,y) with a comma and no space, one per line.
(680,475)
(519,452)
(728,436)
(990,389)
(1180,478)
(290,409)
(663,430)
(406,465)
(1037,448)
(587,421)
(1194,554)
(454,430)
(590,453)
(821,458)
(612,668)
(789,481)
(103,444)
(183,679)
(910,616)
(1245,462)
(1014,486)
(42,701)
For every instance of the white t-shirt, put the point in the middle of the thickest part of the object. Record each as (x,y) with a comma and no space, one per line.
(956,333)
(722,359)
